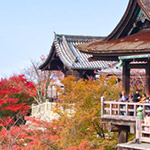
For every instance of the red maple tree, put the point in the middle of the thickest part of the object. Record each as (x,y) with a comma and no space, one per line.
(15,97)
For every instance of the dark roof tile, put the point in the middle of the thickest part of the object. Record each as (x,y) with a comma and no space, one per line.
(64,45)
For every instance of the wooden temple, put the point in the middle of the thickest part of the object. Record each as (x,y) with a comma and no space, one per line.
(128,40)
(65,57)
(128,43)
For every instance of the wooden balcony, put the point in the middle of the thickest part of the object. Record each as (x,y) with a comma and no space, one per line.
(123,114)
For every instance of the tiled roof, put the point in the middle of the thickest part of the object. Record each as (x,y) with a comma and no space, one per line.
(128,19)
(136,43)
(72,58)
(130,37)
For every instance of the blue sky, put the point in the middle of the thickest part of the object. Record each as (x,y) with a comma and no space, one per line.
(27,26)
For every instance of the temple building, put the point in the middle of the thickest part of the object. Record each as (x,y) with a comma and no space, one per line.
(65,57)
(128,43)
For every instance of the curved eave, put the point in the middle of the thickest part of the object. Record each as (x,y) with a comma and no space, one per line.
(136,43)
(64,49)
(48,59)
(115,34)
(109,56)
(60,55)
(117,51)
(128,18)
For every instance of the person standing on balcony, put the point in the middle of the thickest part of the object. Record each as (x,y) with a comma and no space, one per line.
(136,96)
(143,99)
(130,98)
(123,97)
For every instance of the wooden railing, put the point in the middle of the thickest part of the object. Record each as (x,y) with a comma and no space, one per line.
(48,106)
(42,108)
(145,135)
(126,111)
(142,131)
(112,108)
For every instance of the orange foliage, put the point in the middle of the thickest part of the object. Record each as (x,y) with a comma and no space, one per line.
(80,121)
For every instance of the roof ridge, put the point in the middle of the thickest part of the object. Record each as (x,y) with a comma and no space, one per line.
(77,36)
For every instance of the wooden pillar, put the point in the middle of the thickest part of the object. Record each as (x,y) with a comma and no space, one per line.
(123,136)
(64,70)
(126,78)
(147,88)
(138,130)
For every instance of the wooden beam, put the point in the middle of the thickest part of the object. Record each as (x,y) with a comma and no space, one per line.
(138,66)
(147,88)
(126,78)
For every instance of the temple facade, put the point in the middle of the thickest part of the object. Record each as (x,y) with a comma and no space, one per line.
(66,57)
(128,43)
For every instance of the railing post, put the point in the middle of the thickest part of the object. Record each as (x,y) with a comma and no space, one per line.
(39,108)
(126,109)
(144,110)
(118,109)
(47,101)
(46,106)
(138,123)
(134,106)
(102,105)
(111,109)
(32,110)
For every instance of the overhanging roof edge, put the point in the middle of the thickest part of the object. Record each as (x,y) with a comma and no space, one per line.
(134,57)
(59,51)
(44,64)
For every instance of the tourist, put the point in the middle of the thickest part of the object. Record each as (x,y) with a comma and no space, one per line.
(123,97)
(143,99)
(130,98)
(136,96)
